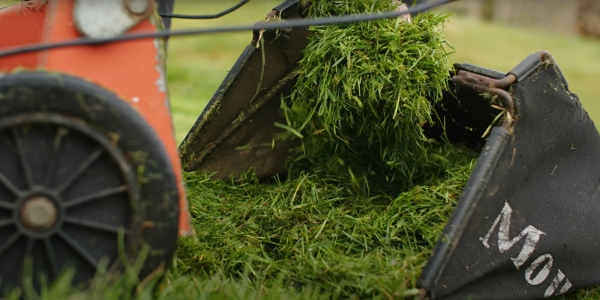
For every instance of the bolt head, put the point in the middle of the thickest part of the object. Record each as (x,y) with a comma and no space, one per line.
(38,213)
(137,7)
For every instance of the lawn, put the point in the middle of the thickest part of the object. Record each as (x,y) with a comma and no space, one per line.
(197,65)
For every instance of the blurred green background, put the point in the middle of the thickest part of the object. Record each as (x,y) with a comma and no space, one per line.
(197,64)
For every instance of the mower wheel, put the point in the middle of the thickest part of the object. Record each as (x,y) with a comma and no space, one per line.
(85,183)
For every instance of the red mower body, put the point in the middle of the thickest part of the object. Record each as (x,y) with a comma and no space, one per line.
(133,70)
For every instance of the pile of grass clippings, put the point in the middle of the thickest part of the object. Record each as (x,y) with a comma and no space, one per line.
(364,91)
(310,233)
(367,193)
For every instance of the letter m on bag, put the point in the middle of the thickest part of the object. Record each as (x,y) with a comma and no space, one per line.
(505,242)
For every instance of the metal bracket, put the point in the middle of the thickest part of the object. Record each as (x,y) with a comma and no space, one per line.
(492,86)
(108,18)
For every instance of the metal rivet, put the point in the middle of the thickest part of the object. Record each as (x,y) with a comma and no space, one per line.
(38,213)
(137,7)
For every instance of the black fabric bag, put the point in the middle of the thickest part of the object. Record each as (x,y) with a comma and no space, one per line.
(525,225)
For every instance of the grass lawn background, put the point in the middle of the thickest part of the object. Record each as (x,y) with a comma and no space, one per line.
(197,65)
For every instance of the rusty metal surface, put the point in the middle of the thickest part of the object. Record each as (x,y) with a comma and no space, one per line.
(236,130)
(493,87)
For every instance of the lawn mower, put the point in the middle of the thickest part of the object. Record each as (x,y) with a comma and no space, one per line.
(90,177)
(91,174)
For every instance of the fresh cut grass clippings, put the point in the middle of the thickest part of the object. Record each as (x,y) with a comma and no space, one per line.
(367,194)
(311,233)
(364,91)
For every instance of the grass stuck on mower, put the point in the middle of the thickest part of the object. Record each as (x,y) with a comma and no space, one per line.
(343,160)
(364,137)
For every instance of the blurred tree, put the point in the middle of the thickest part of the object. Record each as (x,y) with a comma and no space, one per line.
(487,10)
(548,15)
(588,18)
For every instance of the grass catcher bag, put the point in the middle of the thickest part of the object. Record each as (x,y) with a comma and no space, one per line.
(524,224)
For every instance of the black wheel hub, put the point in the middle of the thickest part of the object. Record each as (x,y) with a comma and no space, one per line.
(66,196)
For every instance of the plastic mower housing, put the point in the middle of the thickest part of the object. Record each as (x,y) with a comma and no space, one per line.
(524,225)
(90,175)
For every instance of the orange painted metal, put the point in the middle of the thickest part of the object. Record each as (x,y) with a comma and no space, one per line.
(133,70)
(20,26)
